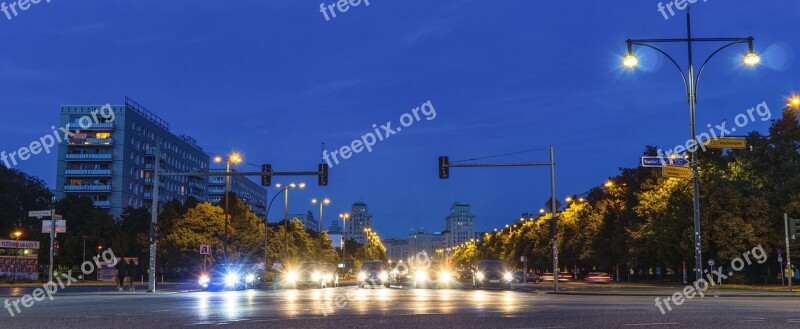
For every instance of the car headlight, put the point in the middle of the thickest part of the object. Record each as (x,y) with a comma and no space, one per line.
(384,276)
(420,276)
(362,276)
(445,276)
(479,276)
(316,276)
(204,280)
(291,276)
(231,279)
(328,277)
(250,278)
(508,277)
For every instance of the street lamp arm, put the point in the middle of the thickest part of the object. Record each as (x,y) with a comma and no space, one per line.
(702,67)
(273,200)
(678,66)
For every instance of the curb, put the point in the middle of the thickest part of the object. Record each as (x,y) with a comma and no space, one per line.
(661,295)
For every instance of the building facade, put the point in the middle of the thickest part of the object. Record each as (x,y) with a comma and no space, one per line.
(307,219)
(459,225)
(111,158)
(419,241)
(397,249)
(251,193)
(360,219)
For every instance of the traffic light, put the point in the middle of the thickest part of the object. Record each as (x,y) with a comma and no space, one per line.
(156,231)
(323,174)
(56,247)
(444,167)
(266,175)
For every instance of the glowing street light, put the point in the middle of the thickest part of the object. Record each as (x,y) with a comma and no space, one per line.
(234,158)
(794,101)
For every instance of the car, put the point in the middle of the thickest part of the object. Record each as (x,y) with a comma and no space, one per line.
(598,277)
(373,273)
(402,275)
(492,273)
(444,277)
(229,277)
(535,278)
(464,276)
(330,275)
(563,276)
(307,274)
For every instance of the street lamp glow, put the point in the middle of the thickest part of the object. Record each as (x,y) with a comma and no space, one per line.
(630,61)
(17,234)
(751,59)
(609,184)
(794,100)
(569,199)
(217,159)
(236,158)
(541,211)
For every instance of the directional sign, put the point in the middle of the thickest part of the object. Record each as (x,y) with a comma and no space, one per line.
(737,143)
(658,162)
(205,250)
(549,204)
(40,213)
(677,172)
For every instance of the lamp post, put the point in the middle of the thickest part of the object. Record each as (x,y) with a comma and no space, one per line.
(17,234)
(235,158)
(84,254)
(286,216)
(344,216)
(266,227)
(691,81)
(323,202)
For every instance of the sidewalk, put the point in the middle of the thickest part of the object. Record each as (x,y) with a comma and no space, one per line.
(95,288)
(656,290)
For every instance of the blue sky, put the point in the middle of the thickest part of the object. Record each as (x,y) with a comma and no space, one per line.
(273,79)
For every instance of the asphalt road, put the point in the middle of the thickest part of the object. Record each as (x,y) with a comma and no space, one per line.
(395,308)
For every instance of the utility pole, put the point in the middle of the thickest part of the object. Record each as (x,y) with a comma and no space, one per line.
(151,283)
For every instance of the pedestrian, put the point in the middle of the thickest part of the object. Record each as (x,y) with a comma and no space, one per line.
(120,275)
(133,272)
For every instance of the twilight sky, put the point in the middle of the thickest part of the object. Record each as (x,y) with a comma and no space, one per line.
(273,79)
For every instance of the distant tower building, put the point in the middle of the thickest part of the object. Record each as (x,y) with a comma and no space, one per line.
(309,223)
(360,218)
(460,225)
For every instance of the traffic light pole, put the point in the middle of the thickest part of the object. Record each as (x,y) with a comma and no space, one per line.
(444,173)
(151,277)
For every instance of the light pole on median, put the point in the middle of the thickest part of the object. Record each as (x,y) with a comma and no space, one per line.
(266,227)
(17,234)
(322,202)
(235,158)
(344,216)
(691,81)
(286,216)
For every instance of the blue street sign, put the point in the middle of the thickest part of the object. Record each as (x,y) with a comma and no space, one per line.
(658,162)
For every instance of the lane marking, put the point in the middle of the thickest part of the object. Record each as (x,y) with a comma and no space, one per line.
(652,324)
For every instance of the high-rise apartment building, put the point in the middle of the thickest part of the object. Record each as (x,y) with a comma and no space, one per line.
(251,193)
(110,159)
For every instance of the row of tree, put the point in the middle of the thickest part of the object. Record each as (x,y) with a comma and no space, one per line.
(641,221)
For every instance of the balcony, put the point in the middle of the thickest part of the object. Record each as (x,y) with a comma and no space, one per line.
(87,172)
(92,126)
(88,188)
(216,191)
(148,181)
(91,141)
(89,157)
(102,204)
(197,185)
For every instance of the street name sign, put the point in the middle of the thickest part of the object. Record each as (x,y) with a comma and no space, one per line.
(658,162)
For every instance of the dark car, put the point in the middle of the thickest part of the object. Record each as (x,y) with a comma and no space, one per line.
(373,273)
(229,277)
(330,275)
(307,274)
(520,277)
(492,273)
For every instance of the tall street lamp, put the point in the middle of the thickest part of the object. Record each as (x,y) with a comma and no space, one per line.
(17,234)
(84,253)
(691,81)
(235,158)
(266,226)
(323,202)
(344,216)
(286,215)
